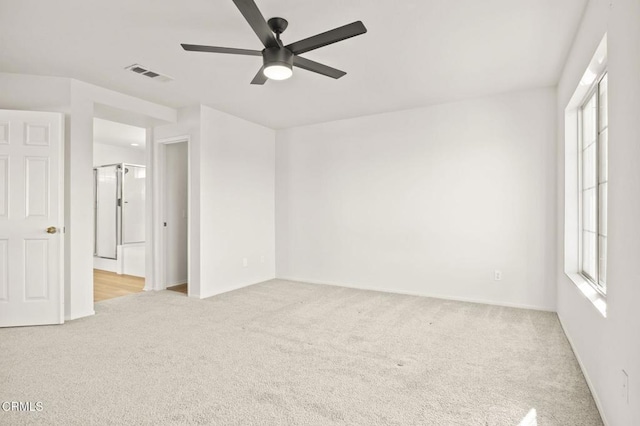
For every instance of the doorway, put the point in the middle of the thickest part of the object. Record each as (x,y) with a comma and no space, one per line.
(119,209)
(175,214)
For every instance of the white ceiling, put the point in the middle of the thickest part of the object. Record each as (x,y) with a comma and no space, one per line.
(118,134)
(416,52)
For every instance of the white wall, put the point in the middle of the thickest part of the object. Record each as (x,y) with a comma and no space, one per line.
(85,98)
(232,179)
(34,93)
(427,201)
(187,125)
(133,258)
(605,346)
(237,200)
(78,100)
(111,154)
(175,212)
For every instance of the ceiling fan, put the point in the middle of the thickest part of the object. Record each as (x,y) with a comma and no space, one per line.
(278,59)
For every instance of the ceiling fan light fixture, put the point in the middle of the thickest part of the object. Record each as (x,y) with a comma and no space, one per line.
(278,71)
(278,63)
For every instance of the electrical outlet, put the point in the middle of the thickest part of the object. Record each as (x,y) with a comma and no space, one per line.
(625,387)
(497,275)
(245,262)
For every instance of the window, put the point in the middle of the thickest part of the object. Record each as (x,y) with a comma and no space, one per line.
(593,186)
(586,181)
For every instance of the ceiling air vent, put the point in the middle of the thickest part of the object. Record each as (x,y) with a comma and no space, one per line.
(142,70)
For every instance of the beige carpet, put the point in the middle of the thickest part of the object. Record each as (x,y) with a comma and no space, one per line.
(296,354)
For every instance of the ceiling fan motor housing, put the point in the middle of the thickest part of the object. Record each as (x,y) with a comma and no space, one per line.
(277,56)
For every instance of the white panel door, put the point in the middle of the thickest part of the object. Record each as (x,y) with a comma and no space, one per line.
(31,218)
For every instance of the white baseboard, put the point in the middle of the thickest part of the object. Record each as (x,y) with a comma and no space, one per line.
(178,282)
(227,290)
(435,296)
(109,265)
(78,316)
(584,373)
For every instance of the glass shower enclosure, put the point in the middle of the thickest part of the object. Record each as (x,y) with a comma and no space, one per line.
(119,208)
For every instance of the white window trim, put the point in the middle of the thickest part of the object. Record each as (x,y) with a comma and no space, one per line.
(593,91)
(572,209)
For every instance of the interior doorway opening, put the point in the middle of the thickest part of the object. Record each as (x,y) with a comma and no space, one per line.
(119,209)
(174,190)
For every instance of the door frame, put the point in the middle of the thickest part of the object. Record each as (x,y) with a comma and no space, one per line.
(159,185)
(62,197)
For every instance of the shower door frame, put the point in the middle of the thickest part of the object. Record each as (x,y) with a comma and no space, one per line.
(119,206)
(95,210)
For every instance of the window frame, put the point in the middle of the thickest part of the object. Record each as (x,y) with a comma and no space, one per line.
(594,91)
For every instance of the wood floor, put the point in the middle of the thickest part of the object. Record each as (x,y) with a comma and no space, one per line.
(180,288)
(107,285)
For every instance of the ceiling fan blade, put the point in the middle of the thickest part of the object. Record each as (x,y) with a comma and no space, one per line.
(253,16)
(332,36)
(260,78)
(214,49)
(319,68)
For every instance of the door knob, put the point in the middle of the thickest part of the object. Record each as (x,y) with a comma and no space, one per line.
(52,230)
